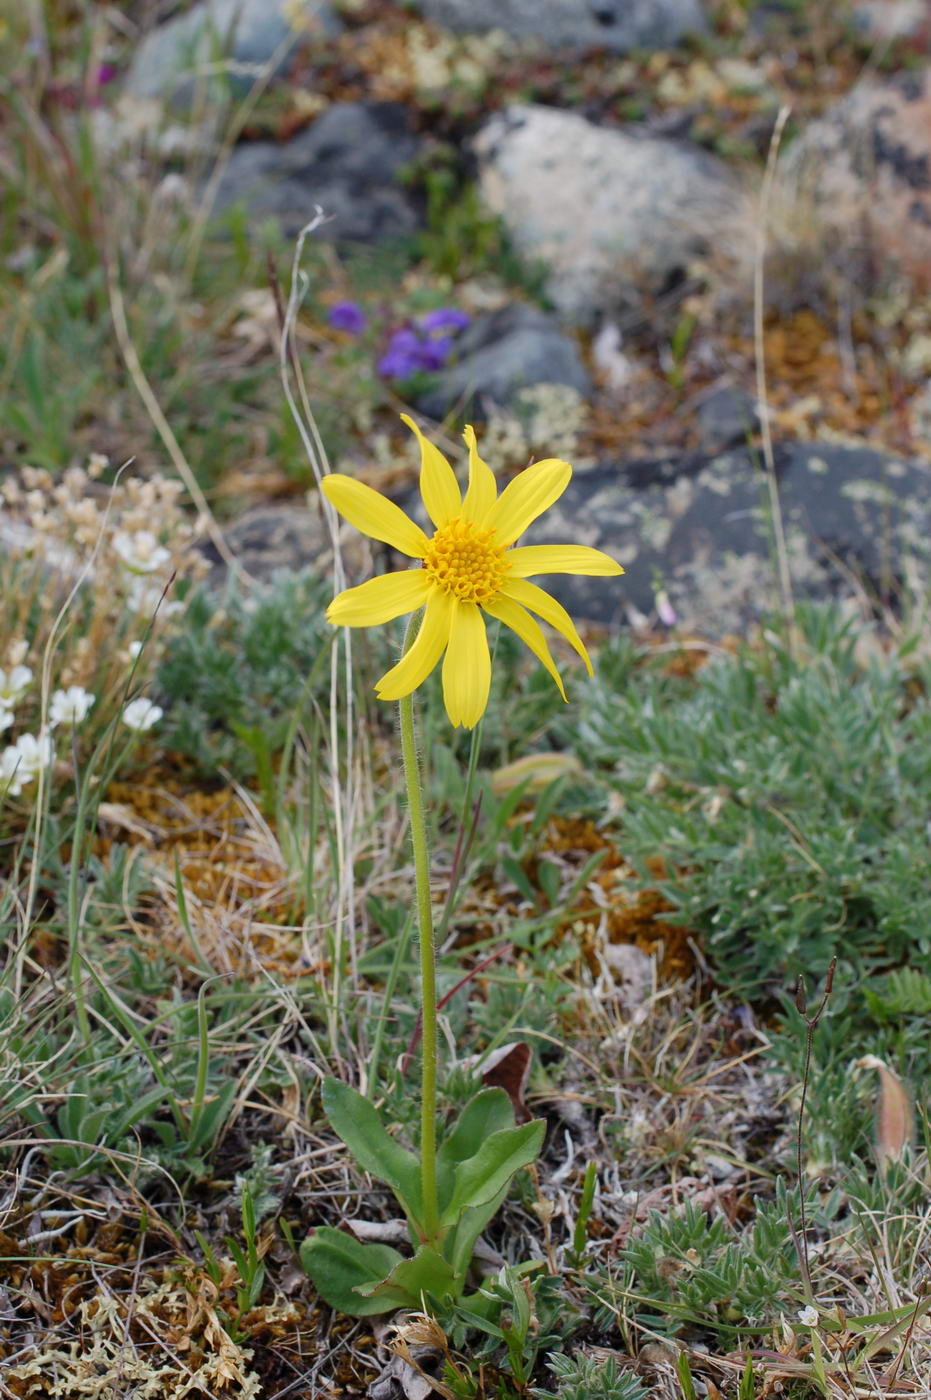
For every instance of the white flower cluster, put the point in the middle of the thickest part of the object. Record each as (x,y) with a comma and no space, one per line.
(23,761)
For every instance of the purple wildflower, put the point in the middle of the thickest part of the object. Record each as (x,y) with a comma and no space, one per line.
(664,609)
(402,358)
(347,316)
(434,353)
(421,348)
(105,74)
(445,318)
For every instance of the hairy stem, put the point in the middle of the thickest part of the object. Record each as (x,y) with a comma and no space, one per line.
(427,961)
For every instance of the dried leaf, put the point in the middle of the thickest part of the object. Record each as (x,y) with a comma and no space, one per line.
(506,1068)
(895,1121)
(538,770)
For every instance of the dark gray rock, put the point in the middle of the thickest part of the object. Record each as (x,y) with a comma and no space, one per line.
(702,527)
(249,33)
(609,214)
(346,162)
(619,25)
(286,538)
(500,354)
(726,417)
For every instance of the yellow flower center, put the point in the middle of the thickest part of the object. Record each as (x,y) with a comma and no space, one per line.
(465,561)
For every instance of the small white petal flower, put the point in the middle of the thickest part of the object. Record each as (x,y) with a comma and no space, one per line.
(146,598)
(134,650)
(23,761)
(808,1316)
(140,552)
(13,684)
(70,706)
(11,781)
(141,714)
(6,718)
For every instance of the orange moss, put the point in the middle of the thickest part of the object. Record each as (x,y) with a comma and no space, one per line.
(629,915)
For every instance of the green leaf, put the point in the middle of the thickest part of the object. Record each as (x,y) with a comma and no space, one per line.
(340,1267)
(488,1112)
(426,1273)
(484,1175)
(356,1121)
(459,1244)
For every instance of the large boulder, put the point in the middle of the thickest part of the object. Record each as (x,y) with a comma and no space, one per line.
(247,33)
(619,25)
(701,527)
(863,171)
(882,20)
(346,163)
(500,354)
(610,215)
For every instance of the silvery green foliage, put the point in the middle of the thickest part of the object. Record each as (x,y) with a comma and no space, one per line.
(790,782)
(590,1378)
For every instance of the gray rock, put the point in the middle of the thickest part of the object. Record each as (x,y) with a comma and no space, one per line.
(725,418)
(702,527)
(619,25)
(863,173)
(500,354)
(346,162)
(248,32)
(609,214)
(269,540)
(882,20)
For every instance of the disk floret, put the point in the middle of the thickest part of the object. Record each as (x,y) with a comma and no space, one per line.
(466,561)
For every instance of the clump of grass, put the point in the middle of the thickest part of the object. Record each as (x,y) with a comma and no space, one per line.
(783,791)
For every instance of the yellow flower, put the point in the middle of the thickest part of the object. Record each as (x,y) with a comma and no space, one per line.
(467,567)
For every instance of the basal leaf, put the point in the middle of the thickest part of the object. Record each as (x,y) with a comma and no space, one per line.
(342,1268)
(459,1244)
(488,1112)
(356,1121)
(426,1273)
(482,1177)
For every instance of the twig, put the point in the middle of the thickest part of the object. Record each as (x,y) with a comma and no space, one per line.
(801,1239)
(782,557)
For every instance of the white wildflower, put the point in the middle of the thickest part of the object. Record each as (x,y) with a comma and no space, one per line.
(147,598)
(70,706)
(141,714)
(134,650)
(22,762)
(141,551)
(6,718)
(808,1316)
(13,684)
(11,784)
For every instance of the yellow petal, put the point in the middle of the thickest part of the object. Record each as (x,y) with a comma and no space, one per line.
(467,667)
(417,663)
(373,514)
(540,602)
(528,496)
(560,559)
(483,489)
(438,485)
(380,599)
(527,628)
